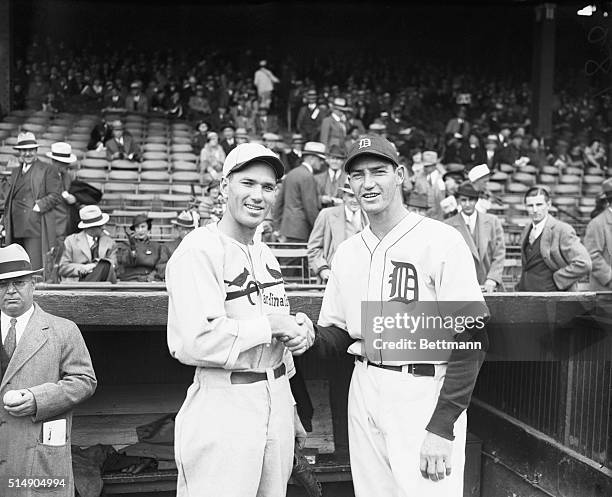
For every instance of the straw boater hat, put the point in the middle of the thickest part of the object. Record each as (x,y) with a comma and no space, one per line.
(339,103)
(315,148)
(62,152)
(25,140)
(92,216)
(15,262)
(606,190)
(185,220)
(478,172)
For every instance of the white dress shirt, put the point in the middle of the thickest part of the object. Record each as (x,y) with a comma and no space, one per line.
(308,166)
(354,218)
(536,230)
(334,174)
(470,220)
(25,168)
(20,326)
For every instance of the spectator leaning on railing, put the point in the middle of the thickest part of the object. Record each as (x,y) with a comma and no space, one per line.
(598,241)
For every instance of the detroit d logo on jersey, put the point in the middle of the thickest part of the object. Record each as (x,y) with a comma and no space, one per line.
(404,283)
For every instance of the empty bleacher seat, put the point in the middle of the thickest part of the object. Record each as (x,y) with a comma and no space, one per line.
(548,179)
(122,175)
(96,154)
(506,168)
(174,201)
(186,189)
(573,170)
(591,179)
(155,147)
(153,187)
(595,171)
(157,139)
(124,164)
(54,137)
(119,187)
(181,140)
(34,128)
(155,176)
(155,156)
(499,176)
(184,166)
(570,179)
(184,156)
(92,163)
(154,165)
(517,188)
(524,178)
(182,148)
(186,176)
(491,186)
(111,201)
(529,169)
(95,174)
(566,190)
(138,201)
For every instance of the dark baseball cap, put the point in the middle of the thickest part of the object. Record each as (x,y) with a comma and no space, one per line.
(375,145)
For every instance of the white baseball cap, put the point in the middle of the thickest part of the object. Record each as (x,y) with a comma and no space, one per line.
(246,153)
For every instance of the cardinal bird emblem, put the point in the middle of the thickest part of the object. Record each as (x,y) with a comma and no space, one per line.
(274,273)
(240,279)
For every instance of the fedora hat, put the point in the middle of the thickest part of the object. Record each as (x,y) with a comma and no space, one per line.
(429,158)
(241,133)
(91,216)
(185,220)
(418,200)
(466,189)
(15,262)
(25,140)
(315,148)
(337,151)
(62,152)
(339,103)
(141,218)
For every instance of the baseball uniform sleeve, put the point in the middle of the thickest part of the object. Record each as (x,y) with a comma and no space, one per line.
(199,331)
(331,335)
(457,284)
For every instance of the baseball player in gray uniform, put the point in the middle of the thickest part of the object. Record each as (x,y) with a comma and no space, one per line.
(407,419)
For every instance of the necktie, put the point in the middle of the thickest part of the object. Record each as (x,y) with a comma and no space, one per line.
(95,249)
(11,339)
(532,235)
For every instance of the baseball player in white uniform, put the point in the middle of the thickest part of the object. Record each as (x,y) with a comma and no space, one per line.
(407,419)
(228,315)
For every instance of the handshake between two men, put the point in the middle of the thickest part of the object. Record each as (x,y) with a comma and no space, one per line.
(296,332)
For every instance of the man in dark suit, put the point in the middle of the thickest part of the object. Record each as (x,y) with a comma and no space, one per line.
(90,255)
(553,257)
(329,182)
(32,205)
(310,117)
(331,228)
(265,123)
(484,236)
(45,371)
(121,145)
(229,141)
(297,206)
(294,156)
(333,127)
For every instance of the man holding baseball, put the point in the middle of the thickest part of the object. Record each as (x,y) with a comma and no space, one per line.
(45,371)
(407,419)
(228,315)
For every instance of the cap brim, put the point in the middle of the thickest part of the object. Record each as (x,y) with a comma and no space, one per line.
(274,162)
(350,160)
(316,154)
(17,274)
(65,160)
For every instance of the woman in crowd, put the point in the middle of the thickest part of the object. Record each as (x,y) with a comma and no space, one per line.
(212,157)
(141,259)
(199,138)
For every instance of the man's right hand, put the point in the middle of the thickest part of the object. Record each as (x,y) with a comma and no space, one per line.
(286,329)
(324,274)
(86,268)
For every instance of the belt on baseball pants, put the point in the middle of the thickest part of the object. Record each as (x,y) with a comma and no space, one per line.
(415,369)
(245,377)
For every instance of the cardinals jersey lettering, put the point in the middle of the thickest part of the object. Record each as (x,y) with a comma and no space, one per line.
(220,292)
